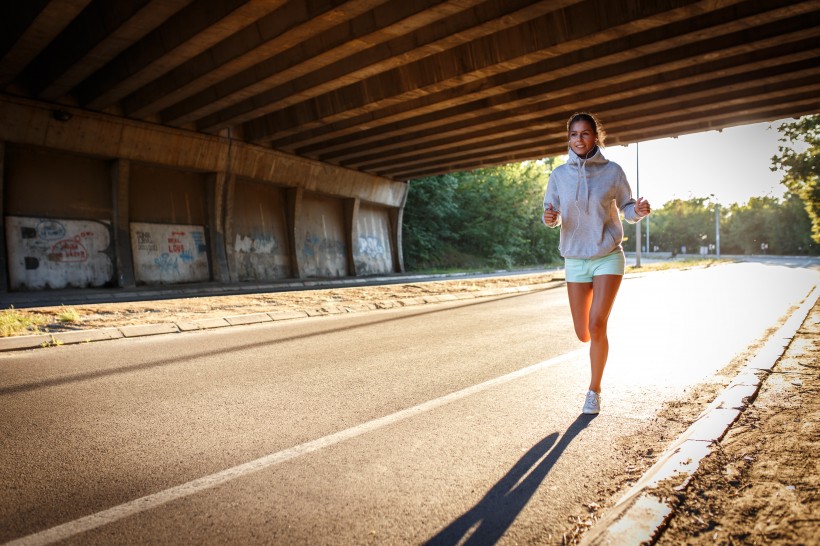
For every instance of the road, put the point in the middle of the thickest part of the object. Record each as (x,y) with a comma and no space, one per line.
(407,426)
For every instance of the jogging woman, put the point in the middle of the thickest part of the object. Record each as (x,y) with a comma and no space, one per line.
(586,197)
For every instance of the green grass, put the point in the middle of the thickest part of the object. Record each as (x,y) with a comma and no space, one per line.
(14,322)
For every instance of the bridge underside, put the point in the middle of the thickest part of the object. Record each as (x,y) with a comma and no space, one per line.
(172,141)
(403,89)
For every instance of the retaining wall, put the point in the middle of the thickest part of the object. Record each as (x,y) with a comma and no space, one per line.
(145,204)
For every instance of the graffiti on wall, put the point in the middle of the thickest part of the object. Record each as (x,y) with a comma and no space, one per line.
(56,253)
(373,254)
(167,254)
(259,257)
(324,257)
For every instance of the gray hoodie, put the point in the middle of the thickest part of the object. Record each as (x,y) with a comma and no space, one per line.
(588,195)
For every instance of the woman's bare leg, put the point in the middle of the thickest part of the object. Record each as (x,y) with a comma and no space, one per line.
(604,290)
(591,304)
(580,302)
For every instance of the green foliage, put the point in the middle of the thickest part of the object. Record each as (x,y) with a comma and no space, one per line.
(678,224)
(764,225)
(485,218)
(801,167)
(427,223)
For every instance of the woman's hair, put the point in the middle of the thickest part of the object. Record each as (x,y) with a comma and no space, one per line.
(597,126)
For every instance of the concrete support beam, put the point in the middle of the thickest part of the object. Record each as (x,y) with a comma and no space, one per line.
(32,122)
(228,207)
(351,208)
(216,198)
(294,212)
(396,217)
(4,279)
(120,193)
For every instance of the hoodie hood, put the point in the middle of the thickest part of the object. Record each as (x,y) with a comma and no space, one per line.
(580,165)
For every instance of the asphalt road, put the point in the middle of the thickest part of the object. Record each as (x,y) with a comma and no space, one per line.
(403,426)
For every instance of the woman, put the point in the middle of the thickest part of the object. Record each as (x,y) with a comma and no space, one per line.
(585,197)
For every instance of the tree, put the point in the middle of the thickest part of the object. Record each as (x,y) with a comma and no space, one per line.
(487,217)
(428,215)
(679,224)
(801,167)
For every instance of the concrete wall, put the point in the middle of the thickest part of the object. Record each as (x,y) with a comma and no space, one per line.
(178,206)
(373,252)
(49,183)
(257,235)
(321,236)
(162,195)
(58,253)
(169,254)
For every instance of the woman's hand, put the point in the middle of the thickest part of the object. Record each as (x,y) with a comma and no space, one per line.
(550,216)
(642,207)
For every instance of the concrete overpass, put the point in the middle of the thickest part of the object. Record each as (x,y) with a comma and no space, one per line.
(164,141)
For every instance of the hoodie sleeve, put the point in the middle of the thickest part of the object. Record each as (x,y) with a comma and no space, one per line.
(626,203)
(551,198)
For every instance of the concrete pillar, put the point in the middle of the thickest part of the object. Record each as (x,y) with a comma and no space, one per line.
(396,219)
(123,256)
(217,197)
(4,274)
(294,213)
(230,193)
(395,235)
(351,209)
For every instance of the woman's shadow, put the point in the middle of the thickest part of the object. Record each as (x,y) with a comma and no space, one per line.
(494,514)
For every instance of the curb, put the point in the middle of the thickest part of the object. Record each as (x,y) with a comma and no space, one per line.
(640,515)
(17,343)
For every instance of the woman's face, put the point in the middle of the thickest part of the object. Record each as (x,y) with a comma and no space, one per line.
(581,137)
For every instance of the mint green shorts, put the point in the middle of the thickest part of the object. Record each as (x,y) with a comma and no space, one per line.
(579,270)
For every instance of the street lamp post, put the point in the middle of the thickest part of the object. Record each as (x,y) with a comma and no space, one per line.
(717,225)
(717,230)
(638,193)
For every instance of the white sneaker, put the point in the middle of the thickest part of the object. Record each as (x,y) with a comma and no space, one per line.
(592,403)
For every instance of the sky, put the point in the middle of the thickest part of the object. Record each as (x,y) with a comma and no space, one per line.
(734,164)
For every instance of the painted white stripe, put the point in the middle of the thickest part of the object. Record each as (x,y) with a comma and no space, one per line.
(149,502)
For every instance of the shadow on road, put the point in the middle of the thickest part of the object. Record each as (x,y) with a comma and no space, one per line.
(488,520)
(150,362)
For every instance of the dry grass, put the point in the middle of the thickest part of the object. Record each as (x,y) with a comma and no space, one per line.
(15,323)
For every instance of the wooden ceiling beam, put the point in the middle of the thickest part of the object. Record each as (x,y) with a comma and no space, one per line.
(688,126)
(651,112)
(186,34)
(520,83)
(323,52)
(544,37)
(459,27)
(285,28)
(29,27)
(93,40)
(590,99)
(698,80)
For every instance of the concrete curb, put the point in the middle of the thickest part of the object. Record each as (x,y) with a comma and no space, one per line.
(17,343)
(639,516)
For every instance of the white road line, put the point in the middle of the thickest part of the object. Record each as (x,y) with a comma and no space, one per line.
(149,502)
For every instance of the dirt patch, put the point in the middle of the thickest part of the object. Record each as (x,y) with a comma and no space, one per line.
(760,484)
(337,300)
(717,479)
